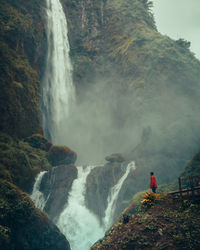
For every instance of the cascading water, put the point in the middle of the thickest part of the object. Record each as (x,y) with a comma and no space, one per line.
(77,223)
(36,195)
(112,198)
(80,226)
(58,92)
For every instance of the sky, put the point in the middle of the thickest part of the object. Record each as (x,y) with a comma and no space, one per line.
(179,19)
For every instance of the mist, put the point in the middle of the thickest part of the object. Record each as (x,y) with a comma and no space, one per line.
(110,120)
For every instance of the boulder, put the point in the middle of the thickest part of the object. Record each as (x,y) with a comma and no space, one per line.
(115,158)
(61,155)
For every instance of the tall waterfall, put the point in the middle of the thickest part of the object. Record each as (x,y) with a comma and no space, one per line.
(57,87)
(80,226)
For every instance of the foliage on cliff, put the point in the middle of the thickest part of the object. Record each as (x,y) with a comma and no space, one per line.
(117,36)
(21,38)
(169,224)
(24,227)
(20,162)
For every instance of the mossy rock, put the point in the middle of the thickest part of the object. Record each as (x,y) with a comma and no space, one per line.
(61,155)
(115,158)
(38,141)
(22,226)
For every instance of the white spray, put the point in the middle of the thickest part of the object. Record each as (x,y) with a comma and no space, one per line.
(112,198)
(58,92)
(36,195)
(76,222)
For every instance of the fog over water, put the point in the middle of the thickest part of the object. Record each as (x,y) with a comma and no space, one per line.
(179,19)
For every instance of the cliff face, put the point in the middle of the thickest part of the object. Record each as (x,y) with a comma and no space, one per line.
(139,88)
(22,49)
(144,86)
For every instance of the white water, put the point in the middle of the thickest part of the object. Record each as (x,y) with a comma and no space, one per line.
(36,195)
(76,222)
(112,198)
(58,92)
(80,226)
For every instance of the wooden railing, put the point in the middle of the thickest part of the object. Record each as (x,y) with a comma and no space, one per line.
(194,187)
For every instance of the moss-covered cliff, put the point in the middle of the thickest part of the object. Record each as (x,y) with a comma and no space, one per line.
(139,88)
(21,49)
(22,226)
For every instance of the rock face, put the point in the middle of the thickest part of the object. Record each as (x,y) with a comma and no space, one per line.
(22,49)
(55,186)
(22,226)
(149,82)
(99,183)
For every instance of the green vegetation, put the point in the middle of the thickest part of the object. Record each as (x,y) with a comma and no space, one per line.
(20,162)
(169,224)
(21,32)
(22,226)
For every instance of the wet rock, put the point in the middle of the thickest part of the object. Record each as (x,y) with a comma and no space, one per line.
(115,158)
(55,186)
(99,183)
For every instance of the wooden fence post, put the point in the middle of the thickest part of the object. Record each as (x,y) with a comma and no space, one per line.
(180,188)
(192,185)
(197,183)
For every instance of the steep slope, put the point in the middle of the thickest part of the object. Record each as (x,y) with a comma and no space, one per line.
(170,224)
(22,226)
(22,47)
(137,92)
(139,88)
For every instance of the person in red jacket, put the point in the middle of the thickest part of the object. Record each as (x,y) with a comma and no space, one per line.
(153,184)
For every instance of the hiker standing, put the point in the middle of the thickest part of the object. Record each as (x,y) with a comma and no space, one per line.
(153,184)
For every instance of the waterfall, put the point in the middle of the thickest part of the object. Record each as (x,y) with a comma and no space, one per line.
(76,222)
(36,195)
(80,226)
(58,92)
(112,198)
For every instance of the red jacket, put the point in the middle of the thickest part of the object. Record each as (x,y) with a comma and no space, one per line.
(153,182)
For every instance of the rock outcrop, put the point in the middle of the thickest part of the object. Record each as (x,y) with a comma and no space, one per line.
(55,186)
(99,183)
(115,158)
(59,155)
(22,226)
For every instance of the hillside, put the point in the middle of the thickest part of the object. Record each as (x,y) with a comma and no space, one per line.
(158,221)
(169,224)
(139,88)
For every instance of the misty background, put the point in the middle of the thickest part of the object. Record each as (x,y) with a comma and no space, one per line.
(179,19)
(157,126)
